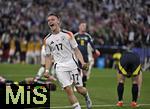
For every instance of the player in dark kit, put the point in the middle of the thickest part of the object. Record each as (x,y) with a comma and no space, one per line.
(130,67)
(83,39)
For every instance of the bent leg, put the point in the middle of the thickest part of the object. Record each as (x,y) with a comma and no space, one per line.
(72,98)
(83,91)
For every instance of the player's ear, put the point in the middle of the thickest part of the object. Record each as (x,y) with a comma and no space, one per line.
(59,22)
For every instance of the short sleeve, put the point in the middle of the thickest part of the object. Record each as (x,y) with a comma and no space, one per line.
(73,43)
(72,40)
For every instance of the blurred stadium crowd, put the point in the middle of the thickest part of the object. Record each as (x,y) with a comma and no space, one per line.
(111,22)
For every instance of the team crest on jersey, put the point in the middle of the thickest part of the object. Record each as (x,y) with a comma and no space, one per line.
(63,38)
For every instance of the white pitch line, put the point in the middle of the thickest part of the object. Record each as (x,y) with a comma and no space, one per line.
(96,106)
(108,105)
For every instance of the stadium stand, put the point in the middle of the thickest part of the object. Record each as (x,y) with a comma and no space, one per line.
(119,23)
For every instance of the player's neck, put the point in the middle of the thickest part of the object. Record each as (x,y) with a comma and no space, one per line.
(56,31)
(81,32)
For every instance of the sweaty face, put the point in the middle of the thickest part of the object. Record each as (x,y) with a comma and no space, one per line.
(53,22)
(82,27)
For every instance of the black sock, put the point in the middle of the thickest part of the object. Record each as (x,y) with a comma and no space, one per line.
(84,79)
(134,92)
(120,90)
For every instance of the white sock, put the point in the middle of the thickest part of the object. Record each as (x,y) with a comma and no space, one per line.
(76,106)
(40,72)
(87,96)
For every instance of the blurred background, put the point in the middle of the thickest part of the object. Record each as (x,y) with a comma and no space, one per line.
(115,25)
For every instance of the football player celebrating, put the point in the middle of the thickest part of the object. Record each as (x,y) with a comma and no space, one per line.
(62,47)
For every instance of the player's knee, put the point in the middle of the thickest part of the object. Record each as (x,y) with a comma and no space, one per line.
(81,90)
(68,90)
(135,80)
(120,78)
(121,81)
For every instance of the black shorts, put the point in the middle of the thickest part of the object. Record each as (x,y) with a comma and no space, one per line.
(129,64)
(85,58)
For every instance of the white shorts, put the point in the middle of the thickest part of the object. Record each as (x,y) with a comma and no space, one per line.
(67,78)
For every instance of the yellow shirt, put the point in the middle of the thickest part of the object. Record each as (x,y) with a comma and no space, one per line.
(38,46)
(30,46)
(12,44)
(23,46)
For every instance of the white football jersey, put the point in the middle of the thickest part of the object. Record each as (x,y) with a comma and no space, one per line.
(61,46)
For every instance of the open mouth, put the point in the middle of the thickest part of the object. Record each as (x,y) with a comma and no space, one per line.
(51,25)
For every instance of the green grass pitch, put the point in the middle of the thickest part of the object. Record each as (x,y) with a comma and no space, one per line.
(102,87)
